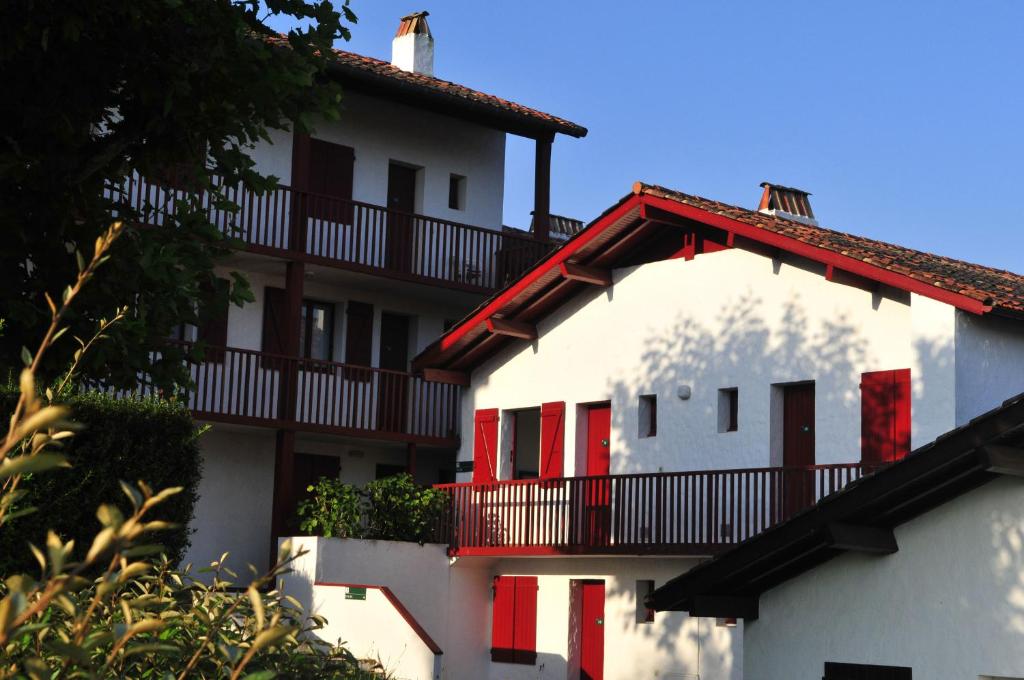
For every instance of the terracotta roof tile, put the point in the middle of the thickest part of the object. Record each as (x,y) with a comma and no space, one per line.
(429,84)
(990,286)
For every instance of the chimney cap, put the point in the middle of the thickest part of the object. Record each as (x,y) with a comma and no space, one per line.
(786,202)
(794,190)
(414,23)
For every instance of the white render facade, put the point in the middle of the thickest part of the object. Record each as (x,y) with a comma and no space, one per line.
(946,605)
(738,319)
(401,206)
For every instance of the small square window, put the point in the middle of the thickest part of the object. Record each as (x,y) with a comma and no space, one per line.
(647,412)
(728,409)
(644,614)
(456,192)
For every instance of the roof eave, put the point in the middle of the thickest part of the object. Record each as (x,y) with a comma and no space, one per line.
(383,86)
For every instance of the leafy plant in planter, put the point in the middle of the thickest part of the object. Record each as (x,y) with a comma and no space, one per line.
(391,509)
(332,510)
(398,509)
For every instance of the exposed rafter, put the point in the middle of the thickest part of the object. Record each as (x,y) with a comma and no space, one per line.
(592,275)
(512,328)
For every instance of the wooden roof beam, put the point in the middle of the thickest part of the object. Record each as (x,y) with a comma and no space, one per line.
(725,606)
(512,328)
(1003,460)
(593,275)
(872,540)
(439,375)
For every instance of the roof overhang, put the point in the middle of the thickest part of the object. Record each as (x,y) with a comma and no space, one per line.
(420,96)
(609,241)
(860,518)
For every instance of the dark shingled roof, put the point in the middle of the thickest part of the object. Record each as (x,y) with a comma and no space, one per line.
(992,287)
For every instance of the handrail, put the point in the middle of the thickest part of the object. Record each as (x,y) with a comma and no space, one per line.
(687,512)
(348,233)
(250,386)
(417,628)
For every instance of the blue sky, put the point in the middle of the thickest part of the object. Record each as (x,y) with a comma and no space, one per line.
(905,120)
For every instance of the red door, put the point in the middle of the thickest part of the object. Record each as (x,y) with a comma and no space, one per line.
(597,492)
(798,447)
(586,634)
(401,204)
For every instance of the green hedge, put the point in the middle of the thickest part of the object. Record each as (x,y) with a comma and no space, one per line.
(130,439)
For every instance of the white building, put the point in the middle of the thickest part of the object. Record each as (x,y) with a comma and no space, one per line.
(400,207)
(913,572)
(681,375)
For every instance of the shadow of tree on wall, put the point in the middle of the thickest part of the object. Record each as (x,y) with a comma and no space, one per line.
(741,346)
(753,345)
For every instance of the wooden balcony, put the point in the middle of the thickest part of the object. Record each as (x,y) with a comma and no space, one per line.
(256,388)
(668,513)
(350,235)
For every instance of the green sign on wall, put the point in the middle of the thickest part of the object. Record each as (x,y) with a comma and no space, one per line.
(356,594)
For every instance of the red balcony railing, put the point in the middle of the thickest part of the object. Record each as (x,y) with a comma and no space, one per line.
(659,513)
(350,234)
(246,386)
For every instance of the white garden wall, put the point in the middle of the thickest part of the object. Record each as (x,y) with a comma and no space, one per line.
(727,319)
(452,601)
(949,604)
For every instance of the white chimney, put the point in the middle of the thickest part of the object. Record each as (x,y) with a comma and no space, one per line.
(413,46)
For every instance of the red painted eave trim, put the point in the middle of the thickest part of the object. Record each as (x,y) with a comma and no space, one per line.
(540,269)
(819,254)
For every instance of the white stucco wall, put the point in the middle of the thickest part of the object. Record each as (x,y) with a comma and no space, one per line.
(452,601)
(989,363)
(949,604)
(427,308)
(673,646)
(236,495)
(727,319)
(382,131)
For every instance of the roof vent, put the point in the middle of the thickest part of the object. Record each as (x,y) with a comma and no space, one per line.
(413,47)
(787,202)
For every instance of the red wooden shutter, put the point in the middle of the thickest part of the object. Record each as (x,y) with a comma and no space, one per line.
(901,413)
(213,320)
(525,626)
(330,175)
(885,415)
(358,333)
(552,439)
(485,446)
(503,619)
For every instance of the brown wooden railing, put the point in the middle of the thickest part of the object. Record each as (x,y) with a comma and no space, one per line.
(247,386)
(695,512)
(351,234)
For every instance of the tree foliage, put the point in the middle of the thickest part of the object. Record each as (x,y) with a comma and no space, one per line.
(118,611)
(116,439)
(95,91)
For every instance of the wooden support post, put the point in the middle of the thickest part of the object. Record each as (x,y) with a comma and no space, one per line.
(511,328)
(592,275)
(542,189)
(283,505)
(410,458)
(856,538)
